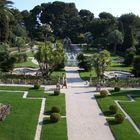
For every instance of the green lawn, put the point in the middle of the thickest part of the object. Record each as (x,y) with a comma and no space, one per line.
(89,51)
(58,73)
(28,63)
(22,121)
(30,54)
(133,110)
(50,100)
(119,66)
(124,130)
(56,101)
(54,131)
(86,75)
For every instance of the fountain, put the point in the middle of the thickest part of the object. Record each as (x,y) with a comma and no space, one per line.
(71,59)
(25,70)
(118,74)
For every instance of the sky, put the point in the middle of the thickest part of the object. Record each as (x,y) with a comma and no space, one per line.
(115,7)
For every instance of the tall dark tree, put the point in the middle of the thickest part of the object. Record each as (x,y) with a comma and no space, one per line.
(136,66)
(62,16)
(5,15)
(115,38)
(129,23)
(128,39)
(105,15)
(86,18)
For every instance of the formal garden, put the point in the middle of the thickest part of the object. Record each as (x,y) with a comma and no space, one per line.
(129,101)
(35,48)
(15,126)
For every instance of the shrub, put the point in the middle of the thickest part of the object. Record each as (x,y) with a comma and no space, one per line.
(20,57)
(113,109)
(55,117)
(36,86)
(103,93)
(129,57)
(117,89)
(56,92)
(55,109)
(136,66)
(119,118)
(84,62)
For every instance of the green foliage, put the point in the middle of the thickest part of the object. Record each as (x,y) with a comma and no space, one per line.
(101,62)
(20,57)
(86,65)
(86,17)
(4,47)
(129,56)
(55,109)
(56,92)
(5,16)
(84,62)
(119,118)
(36,86)
(80,38)
(136,66)
(60,66)
(113,109)
(105,15)
(20,43)
(115,38)
(6,62)
(103,93)
(117,89)
(131,108)
(49,58)
(55,117)
(88,37)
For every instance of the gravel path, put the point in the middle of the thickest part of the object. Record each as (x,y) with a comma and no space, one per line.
(84,118)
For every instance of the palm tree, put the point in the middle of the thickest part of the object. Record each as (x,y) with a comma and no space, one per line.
(5,16)
(101,63)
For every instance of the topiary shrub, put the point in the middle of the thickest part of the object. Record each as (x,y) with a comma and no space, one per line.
(117,89)
(103,93)
(56,92)
(36,86)
(113,108)
(55,117)
(55,109)
(119,118)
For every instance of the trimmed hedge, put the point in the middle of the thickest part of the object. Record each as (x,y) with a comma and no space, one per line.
(119,118)
(103,93)
(55,109)
(36,86)
(117,89)
(55,117)
(113,108)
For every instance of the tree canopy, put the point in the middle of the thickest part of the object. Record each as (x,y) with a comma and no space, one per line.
(49,57)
